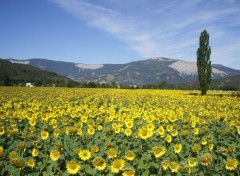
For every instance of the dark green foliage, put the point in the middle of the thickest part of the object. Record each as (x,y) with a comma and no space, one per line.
(203,62)
(12,74)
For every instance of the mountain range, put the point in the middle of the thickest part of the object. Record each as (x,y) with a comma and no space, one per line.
(13,74)
(149,71)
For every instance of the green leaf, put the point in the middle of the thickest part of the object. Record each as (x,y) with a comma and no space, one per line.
(146,156)
(90,170)
(145,173)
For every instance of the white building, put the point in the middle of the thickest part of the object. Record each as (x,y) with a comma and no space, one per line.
(29,84)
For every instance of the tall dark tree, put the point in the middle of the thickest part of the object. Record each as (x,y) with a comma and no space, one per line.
(204,63)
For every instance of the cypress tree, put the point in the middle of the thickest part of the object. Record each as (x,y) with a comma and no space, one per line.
(204,63)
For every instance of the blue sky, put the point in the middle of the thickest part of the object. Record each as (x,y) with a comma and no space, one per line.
(119,31)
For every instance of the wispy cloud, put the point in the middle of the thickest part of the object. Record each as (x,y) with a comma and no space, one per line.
(164,28)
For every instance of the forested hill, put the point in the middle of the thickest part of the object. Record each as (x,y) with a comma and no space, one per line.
(13,74)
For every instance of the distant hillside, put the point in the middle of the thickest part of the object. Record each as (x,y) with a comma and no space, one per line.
(142,72)
(19,74)
(229,83)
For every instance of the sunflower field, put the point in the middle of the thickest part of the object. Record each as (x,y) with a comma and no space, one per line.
(64,131)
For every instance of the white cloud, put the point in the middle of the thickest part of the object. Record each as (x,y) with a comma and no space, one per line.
(166,28)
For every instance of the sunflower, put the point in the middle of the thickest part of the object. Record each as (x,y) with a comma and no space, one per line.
(206,159)
(174,166)
(99,127)
(209,137)
(224,151)
(177,148)
(32,122)
(128,172)
(56,132)
(195,131)
(169,128)
(13,155)
(44,135)
(196,148)
(231,164)
(185,133)
(128,132)
(1,152)
(129,155)
(143,133)
(2,131)
(117,165)
(94,149)
(117,129)
(129,123)
(174,132)
(31,163)
(192,162)
(165,164)
(91,130)
(204,141)
(112,153)
(210,147)
(159,151)
(22,146)
(55,155)
(161,131)
(72,167)
(85,155)
(18,163)
(84,119)
(99,163)
(232,148)
(168,138)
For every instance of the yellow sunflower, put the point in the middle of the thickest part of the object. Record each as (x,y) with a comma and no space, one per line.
(174,166)
(31,163)
(231,164)
(159,151)
(128,172)
(94,149)
(232,148)
(169,128)
(112,153)
(129,123)
(44,135)
(161,131)
(174,132)
(13,155)
(32,122)
(192,162)
(55,155)
(165,164)
(56,132)
(2,131)
(210,147)
(128,132)
(206,159)
(195,131)
(34,152)
(196,148)
(177,148)
(129,155)
(117,165)
(204,141)
(168,138)
(72,167)
(85,155)
(1,152)
(99,163)
(144,133)
(91,130)
(19,163)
